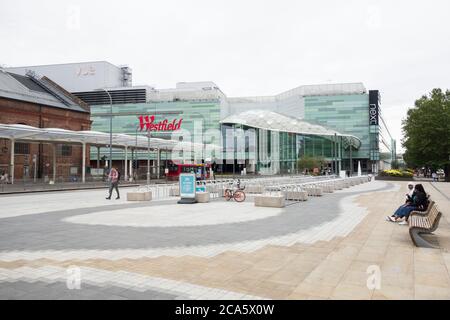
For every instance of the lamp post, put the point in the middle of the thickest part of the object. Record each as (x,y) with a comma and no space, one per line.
(351,160)
(148,160)
(336,154)
(110,129)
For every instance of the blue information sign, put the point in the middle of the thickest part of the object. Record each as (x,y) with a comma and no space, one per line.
(187,185)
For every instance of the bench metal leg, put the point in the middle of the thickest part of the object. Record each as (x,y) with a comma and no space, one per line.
(419,241)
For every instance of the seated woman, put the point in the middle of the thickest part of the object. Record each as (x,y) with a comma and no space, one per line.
(419,202)
(408,199)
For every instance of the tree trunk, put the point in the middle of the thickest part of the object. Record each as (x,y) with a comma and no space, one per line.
(447,173)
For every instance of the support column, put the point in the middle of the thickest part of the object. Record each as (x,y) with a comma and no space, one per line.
(98,157)
(126,163)
(341,154)
(351,160)
(54,162)
(158,163)
(83,169)
(131,164)
(333,155)
(11,163)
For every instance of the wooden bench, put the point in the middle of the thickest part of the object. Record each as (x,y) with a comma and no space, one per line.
(424,222)
(431,204)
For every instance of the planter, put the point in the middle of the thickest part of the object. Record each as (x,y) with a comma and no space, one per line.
(270,201)
(387,178)
(139,196)
(202,197)
(297,195)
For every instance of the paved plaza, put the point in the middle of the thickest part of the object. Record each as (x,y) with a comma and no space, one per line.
(77,245)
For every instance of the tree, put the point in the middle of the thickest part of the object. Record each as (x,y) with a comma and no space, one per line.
(427,132)
(309,163)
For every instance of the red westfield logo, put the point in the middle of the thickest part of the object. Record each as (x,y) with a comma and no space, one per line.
(148,123)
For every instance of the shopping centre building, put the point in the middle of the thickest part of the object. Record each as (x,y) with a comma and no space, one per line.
(340,123)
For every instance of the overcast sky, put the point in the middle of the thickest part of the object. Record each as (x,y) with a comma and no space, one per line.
(247,47)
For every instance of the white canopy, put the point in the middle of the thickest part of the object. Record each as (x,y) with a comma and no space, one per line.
(24,132)
(269,120)
(19,132)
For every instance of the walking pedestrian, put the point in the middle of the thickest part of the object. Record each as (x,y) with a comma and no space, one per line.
(113,177)
(434,176)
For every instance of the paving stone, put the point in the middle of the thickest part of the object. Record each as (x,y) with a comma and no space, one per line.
(309,251)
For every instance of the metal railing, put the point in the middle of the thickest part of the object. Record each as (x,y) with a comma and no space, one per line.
(301,189)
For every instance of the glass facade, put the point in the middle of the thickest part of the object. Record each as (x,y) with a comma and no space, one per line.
(198,117)
(273,152)
(347,114)
(350,114)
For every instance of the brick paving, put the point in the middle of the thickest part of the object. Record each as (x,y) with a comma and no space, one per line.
(319,249)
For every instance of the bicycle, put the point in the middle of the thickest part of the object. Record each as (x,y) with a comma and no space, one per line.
(237,194)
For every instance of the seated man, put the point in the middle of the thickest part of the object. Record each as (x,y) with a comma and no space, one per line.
(410,193)
(418,201)
(4,178)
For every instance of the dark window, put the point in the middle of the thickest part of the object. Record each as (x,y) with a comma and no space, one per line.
(21,148)
(64,150)
(172,167)
(187,169)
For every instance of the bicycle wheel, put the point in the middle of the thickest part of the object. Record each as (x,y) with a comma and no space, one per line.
(239,196)
(228,194)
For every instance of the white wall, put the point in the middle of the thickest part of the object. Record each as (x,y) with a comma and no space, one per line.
(75,77)
(293,106)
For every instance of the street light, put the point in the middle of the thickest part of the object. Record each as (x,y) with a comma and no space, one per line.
(110,129)
(148,160)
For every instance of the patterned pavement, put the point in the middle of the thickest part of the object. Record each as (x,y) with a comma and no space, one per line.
(219,250)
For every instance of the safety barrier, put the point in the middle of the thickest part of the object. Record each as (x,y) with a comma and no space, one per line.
(301,190)
(295,188)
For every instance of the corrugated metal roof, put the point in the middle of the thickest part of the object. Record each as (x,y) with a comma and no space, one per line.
(24,88)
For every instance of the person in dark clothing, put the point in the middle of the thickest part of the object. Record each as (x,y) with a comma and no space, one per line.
(418,202)
(114,177)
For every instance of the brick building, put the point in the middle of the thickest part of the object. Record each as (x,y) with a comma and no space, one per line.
(41,103)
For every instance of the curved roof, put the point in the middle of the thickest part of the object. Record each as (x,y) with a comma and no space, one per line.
(269,120)
(28,133)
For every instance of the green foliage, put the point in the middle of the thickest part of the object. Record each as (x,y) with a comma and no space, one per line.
(308,162)
(427,131)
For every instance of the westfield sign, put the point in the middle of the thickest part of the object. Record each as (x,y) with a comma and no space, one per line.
(148,123)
